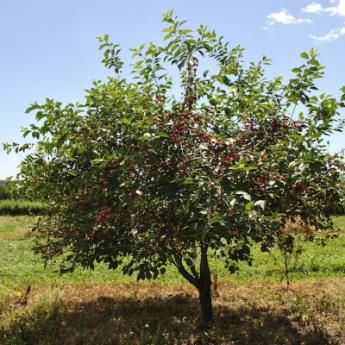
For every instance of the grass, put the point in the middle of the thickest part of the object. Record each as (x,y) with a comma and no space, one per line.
(316,261)
(40,306)
(19,266)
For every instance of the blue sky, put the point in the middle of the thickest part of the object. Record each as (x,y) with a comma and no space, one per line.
(48,48)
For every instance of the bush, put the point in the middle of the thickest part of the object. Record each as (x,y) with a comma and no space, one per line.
(22,207)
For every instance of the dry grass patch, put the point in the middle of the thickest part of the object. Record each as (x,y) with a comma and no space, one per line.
(17,235)
(307,313)
(16,227)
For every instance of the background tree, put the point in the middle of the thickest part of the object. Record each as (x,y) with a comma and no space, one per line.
(8,189)
(139,177)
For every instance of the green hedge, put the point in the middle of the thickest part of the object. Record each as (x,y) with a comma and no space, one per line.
(22,207)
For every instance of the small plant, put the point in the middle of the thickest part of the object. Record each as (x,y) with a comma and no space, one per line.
(289,243)
(290,253)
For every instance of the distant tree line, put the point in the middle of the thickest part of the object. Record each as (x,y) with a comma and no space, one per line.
(15,202)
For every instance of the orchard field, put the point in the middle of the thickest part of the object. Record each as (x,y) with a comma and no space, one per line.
(252,306)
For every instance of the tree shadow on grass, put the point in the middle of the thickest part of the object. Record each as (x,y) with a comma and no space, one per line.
(171,320)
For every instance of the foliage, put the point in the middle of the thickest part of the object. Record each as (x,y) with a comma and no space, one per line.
(139,177)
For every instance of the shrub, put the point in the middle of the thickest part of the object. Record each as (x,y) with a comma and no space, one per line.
(22,207)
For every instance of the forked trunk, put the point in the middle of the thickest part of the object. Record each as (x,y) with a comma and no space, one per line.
(202,281)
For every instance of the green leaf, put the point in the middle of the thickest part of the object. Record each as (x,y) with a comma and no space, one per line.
(213,101)
(226,81)
(163,134)
(185,31)
(249,206)
(305,55)
(97,161)
(216,219)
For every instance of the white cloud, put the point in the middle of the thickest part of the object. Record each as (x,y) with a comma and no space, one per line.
(284,17)
(314,7)
(334,8)
(330,36)
(338,10)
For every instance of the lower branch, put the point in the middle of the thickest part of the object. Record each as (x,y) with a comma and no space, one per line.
(192,278)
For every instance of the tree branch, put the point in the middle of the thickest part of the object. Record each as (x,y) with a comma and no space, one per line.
(194,280)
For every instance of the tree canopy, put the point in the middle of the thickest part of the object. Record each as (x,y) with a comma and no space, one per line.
(176,163)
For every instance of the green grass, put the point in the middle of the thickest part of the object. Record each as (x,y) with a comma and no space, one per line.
(20,267)
(316,260)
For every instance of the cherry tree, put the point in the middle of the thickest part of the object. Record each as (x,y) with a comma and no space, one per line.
(177,164)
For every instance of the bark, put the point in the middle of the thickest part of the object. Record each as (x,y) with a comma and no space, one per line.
(204,288)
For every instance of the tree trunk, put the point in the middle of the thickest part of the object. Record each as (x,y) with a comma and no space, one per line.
(202,282)
(204,288)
